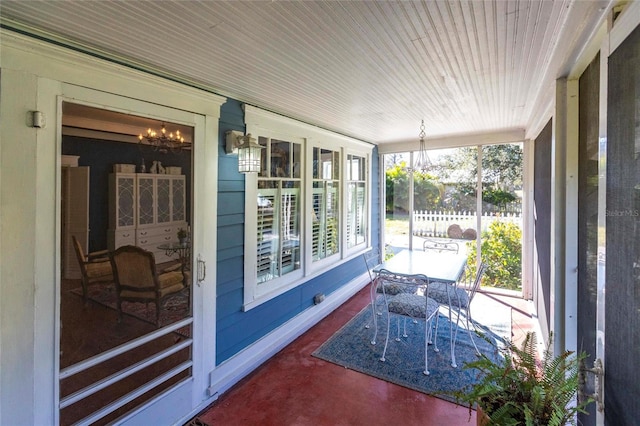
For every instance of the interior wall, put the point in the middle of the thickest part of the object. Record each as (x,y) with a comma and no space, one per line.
(542,226)
(100,156)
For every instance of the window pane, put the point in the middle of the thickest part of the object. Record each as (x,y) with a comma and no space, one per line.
(325,215)
(263,157)
(396,227)
(325,196)
(278,233)
(501,230)
(356,168)
(297,160)
(356,225)
(356,203)
(280,159)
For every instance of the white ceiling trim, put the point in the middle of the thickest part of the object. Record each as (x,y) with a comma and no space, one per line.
(455,141)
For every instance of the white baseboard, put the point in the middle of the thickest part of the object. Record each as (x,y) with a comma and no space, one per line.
(234,369)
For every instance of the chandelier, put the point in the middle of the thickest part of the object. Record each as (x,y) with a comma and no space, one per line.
(422,163)
(163,142)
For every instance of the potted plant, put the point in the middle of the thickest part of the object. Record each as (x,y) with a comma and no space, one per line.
(521,389)
(182,236)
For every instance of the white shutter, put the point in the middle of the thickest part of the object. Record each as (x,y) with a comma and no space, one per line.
(317,240)
(265,234)
(290,235)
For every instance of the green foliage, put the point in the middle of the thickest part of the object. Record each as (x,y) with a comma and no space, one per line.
(501,172)
(501,164)
(397,188)
(520,390)
(427,192)
(502,251)
(498,197)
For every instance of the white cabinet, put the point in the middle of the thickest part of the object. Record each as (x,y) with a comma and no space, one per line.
(146,210)
(122,201)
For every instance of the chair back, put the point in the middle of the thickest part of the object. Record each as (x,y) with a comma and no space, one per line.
(440,246)
(82,259)
(372,259)
(394,283)
(134,269)
(411,298)
(476,282)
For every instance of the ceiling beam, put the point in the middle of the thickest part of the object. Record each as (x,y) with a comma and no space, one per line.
(455,141)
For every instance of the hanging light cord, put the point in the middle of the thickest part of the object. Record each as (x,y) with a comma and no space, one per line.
(422,162)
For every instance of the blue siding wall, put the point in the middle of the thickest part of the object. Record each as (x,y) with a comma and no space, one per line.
(237,329)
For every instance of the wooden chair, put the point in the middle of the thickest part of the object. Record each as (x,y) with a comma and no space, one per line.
(137,279)
(95,267)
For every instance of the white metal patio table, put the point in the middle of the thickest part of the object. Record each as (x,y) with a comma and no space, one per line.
(445,267)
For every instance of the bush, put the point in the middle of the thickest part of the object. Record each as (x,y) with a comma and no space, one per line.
(427,190)
(502,251)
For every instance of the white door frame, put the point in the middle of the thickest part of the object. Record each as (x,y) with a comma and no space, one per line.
(188,394)
(38,71)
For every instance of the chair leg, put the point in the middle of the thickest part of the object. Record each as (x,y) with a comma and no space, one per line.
(434,332)
(398,328)
(470,321)
(386,342)
(427,336)
(119,310)
(372,294)
(452,335)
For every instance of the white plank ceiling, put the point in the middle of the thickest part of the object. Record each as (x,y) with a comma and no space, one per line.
(367,69)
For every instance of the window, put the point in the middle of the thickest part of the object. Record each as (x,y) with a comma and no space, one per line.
(356,201)
(326,209)
(307,210)
(278,210)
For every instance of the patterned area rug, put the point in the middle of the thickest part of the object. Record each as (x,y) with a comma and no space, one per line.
(351,347)
(174,308)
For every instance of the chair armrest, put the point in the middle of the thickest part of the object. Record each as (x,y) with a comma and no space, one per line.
(172,268)
(98,260)
(98,254)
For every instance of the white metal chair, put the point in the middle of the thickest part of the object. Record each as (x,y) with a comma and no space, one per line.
(440,246)
(372,259)
(412,301)
(458,299)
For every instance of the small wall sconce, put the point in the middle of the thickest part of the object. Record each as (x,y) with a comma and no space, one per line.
(249,152)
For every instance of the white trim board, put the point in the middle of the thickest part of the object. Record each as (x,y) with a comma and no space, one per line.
(236,368)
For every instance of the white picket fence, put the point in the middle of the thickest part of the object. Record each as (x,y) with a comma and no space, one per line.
(435,223)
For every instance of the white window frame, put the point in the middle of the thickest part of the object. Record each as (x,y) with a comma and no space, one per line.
(358,248)
(261,123)
(322,264)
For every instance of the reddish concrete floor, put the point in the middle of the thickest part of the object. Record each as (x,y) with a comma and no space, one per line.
(295,388)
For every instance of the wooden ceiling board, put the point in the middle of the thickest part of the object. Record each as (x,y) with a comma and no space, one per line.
(368,69)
